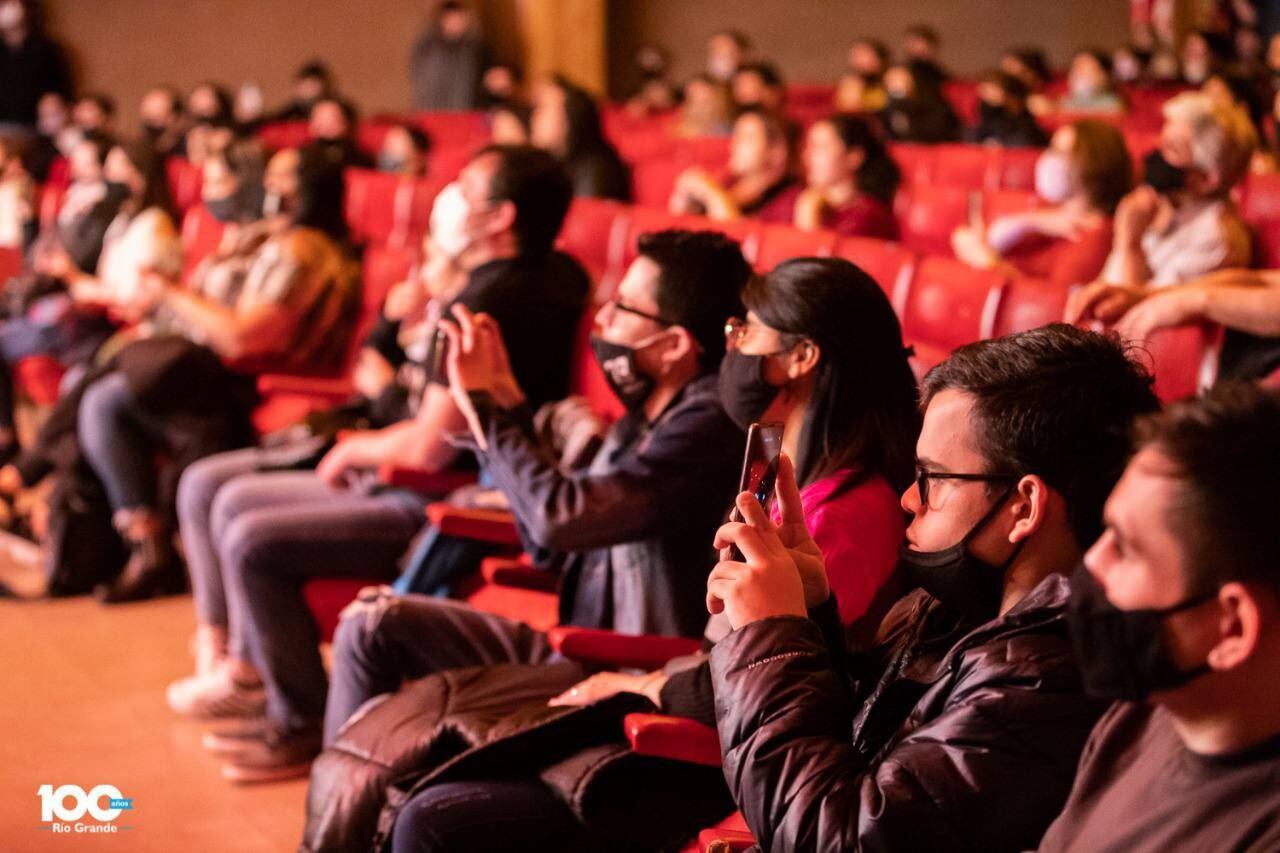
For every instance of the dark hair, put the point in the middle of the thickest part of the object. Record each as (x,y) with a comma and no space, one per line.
(777,129)
(246,162)
(1247,90)
(155,179)
(1222,447)
(101,142)
(738,36)
(349,112)
(222,98)
(104,102)
(863,413)
(880,49)
(1058,402)
(585,134)
(537,185)
(1102,57)
(1013,87)
(420,139)
(1106,172)
(317,69)
(700,285)
(1034,60)
(879,175)
(321,194)
(766,71)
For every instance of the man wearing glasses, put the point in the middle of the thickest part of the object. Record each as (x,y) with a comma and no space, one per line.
(960,729)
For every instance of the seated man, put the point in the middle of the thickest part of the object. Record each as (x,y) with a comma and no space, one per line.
(1246,302)
(758,182)
(1176,613)
(628,523)
(970,699)
(1181,223)
(251,537)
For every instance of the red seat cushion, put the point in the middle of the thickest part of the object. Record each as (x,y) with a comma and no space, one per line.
(326,597)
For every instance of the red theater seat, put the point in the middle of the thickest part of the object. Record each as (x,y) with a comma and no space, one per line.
(284,134)
(915,162)
(1029,303)
(201,234)
(971,166)
(950,304)
(1016,168)
(777,243)
(888,263)
(185,180)
(1261,202)
(931,214)
(588,232)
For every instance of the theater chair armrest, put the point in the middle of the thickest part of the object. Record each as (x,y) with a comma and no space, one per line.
(517,572)
(485,525)
(677,738)
(1272,379)
(607,648)
(725,840)
(313,386)
(425,482)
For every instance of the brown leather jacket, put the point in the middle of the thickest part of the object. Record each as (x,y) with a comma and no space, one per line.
(944,738)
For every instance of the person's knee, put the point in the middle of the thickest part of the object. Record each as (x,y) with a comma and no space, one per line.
(428,822)
(363,624)
(196,490)
(231,500)
(101,405)
(247,548)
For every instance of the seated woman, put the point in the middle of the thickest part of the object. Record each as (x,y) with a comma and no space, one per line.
(17,197)
(851,180)
(706,108)
(404,151)
(759,182)
(1004,116)
(1083,175)
(566,123)
(802,357)
(916,110)
(277,296)
(1089,86)
(859,93)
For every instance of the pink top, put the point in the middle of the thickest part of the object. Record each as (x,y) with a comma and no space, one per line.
(859,532)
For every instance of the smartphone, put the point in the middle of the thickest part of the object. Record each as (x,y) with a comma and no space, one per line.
(437,358)
(759,469)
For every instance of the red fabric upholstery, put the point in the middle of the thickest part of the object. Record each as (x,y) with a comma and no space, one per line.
(950,303)
(931,214)
(588,232)
(10,262)
(284,134)
(387,209)
(676,738)
(619,651)
(777,243)
(888,263)
(519,573)
(201,234)
(326,597)
(972,166)
(1183,359)
(426,482)
(486,525)
(732,834)
(1016,168)
(185,180)
(1261,202)
(1029,303)
(51,196)
(39,377)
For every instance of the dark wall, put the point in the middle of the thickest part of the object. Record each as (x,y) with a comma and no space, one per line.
(808,38)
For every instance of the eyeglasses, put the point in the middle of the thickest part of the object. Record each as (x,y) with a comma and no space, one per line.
(923,476)
(617,305)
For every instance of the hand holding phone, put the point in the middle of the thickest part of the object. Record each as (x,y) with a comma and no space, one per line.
(759,469)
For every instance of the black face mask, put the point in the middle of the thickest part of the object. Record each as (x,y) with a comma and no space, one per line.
(966,585)
(1121,653)
(225,209)
(744,392)
(1161,175)
(618,361)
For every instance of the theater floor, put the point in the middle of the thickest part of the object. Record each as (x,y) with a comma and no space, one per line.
(82,703)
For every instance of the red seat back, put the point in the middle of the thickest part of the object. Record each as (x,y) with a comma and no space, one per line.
(185,180)
(284,134)
(932,213)
(201,234)
(950,303)
(970,166)
(888,263)
(1029,303)
(1183,359)
(587,233)
(10,262)
(777,243)
(1015,168)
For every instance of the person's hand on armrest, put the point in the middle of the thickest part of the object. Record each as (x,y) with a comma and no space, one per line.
(602,685)
(1163,309)
(1103,302)
(783,574)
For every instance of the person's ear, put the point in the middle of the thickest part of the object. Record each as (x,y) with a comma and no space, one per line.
(1029,505)
(803,359)
(1240,626)
(854,158)
(502,217)
(680,346)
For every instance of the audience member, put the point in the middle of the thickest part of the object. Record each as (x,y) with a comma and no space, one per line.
(1089,87)
(758,86)
(333,134)
(95,111)
(851,180)
(31,63)
(629,523)
(759,181)
(920,46)
(859,94)
(1181,222)
(509,123)
(1176,614)
(972,697)
(404,151)
(566,123)
(726,50)
(17,197)
(1081,177)
(654,94)
(501,84)
(1004,117)
(448,61)
(312,83)
(706,108)
(916,110)
(163,124)
(1199,61)
(868,57)
(251,536)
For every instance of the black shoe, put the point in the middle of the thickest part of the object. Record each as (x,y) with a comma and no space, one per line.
(153,570)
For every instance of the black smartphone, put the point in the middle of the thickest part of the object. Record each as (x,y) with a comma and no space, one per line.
(759,469)
(437,358)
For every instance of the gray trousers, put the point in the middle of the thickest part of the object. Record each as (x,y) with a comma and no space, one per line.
(253,538)
(389,639)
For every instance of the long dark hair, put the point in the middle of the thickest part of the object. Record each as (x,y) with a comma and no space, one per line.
(863,413)
(878,176)
(321,195)
(155,180)
(582,116)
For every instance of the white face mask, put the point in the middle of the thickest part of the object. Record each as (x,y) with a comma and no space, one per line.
(721,67)
(1053,177)
(449,217)
(271,204)
(11,15)
(1082,87)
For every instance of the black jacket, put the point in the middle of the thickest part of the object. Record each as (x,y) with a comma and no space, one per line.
(943,738)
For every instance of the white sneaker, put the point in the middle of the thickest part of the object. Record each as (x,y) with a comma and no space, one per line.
(214,695)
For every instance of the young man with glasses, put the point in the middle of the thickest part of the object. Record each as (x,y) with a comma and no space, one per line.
(960,728)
